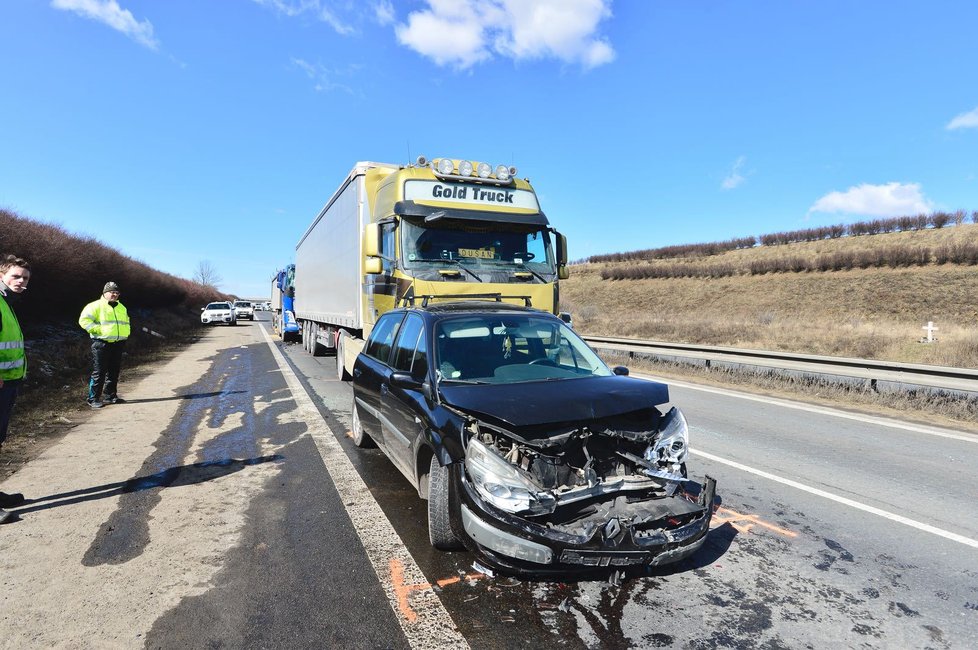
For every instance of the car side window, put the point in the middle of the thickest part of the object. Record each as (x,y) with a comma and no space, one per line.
(407,342)
(382,337)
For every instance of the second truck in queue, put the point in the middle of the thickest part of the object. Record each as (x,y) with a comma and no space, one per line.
(436,230)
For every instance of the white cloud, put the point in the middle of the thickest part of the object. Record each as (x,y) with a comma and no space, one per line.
(293,8)
(384,12)
(110,13)
(964,121)
(888,200)
(321,76)
(463,33)
(735,178)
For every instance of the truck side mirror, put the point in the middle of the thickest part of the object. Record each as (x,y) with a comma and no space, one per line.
(562,272)
(373,266)
(371,240)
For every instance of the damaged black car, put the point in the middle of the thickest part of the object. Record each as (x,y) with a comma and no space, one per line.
(531,452)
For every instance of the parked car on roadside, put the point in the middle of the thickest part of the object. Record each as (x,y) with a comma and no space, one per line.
(218,312)
(531,452)
(244,309)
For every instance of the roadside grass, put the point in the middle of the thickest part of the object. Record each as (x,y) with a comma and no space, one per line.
(873,313)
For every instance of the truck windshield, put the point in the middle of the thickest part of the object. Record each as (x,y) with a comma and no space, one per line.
(476,244)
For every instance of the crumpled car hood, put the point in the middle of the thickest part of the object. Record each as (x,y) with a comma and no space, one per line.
(579,401)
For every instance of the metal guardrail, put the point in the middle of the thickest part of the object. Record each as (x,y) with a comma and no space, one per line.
(872,372)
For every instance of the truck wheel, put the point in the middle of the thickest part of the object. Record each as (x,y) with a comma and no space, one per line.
(361,438)
(439,517)
(341,372)
(314,348)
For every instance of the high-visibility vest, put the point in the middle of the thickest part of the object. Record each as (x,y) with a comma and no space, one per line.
(103,321)
(13,361)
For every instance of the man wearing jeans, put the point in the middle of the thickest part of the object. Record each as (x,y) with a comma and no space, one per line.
(107,322)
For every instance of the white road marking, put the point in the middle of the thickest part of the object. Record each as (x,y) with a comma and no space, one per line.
(822,410)
(961,539)
(433,627)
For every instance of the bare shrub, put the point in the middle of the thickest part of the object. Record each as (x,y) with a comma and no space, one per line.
(940,219)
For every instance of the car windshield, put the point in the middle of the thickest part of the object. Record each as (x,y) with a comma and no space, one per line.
(242,304)
(512,348)
(218,305)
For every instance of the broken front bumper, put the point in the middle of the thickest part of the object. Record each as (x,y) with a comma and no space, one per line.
(516,545)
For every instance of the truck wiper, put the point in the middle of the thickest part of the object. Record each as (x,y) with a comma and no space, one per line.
(526,268)
(457,263)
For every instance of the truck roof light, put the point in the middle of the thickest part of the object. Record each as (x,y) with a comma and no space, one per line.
(464,168)
(502,172)
(422,161)
(484,170)
(445,165)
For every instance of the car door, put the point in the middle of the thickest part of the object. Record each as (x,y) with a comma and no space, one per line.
(402,407)
(372,371)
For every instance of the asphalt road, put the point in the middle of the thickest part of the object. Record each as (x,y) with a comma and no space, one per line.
(225,506)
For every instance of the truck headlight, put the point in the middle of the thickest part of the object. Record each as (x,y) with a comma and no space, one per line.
(445,166)
(502,172)
(484,170)
(503,485)
(464,168)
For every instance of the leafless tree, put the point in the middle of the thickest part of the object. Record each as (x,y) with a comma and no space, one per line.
(206,275)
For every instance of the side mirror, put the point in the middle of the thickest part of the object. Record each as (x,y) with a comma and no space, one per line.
(203,308)
(371,240)
(567,318)
(562,271)
(620,370)
(373,266)
(405,380)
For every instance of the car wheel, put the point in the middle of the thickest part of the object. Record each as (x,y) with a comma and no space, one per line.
(361,438)
(439,513)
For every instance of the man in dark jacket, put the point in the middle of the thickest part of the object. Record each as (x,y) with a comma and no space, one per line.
(15,273)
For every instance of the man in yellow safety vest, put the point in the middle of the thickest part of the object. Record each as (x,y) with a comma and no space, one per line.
(107,322)
(15,273)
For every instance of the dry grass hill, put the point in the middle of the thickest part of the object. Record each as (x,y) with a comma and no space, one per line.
(873,309)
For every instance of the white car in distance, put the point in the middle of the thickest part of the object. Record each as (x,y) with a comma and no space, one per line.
(244,309)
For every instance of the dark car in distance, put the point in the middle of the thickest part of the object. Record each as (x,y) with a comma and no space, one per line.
(531,452)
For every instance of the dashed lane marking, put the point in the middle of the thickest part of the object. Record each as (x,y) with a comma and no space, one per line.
(892,516)
(424,619)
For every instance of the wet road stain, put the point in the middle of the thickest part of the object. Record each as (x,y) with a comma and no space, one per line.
(228,389)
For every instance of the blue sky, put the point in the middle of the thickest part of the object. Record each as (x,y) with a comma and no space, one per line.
(183,131)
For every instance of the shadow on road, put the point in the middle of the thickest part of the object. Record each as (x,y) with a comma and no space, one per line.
(190,396)
(172,477)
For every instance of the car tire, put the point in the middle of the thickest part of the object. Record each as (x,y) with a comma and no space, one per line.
(439,508)
(361,438)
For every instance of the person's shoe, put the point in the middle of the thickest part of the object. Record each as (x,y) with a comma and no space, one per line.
(95,405)
(11,500)
(5,516)
(114,400)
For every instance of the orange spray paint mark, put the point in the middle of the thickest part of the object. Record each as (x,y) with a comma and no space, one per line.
(403,591)
(744,523)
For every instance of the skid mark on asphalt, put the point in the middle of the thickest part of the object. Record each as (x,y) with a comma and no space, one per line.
(745,523)
(404,590)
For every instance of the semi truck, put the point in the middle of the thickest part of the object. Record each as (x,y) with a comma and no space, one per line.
(434,230)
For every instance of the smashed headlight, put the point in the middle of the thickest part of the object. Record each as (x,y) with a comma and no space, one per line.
(504,485)
(672,446)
